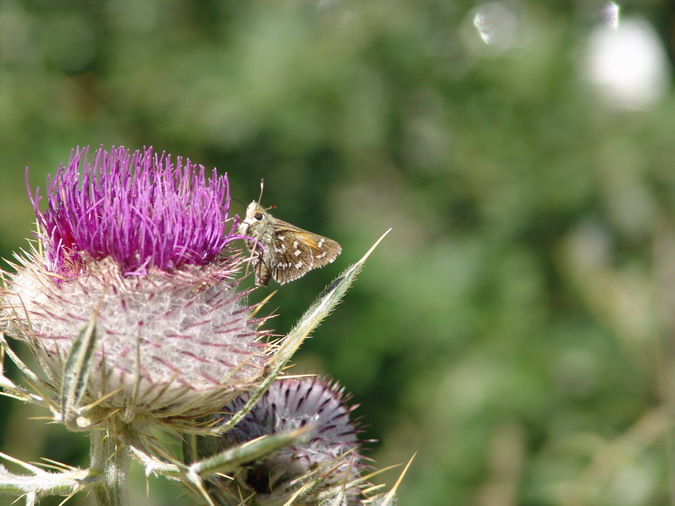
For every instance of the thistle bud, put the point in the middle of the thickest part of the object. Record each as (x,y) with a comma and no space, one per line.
(325,467)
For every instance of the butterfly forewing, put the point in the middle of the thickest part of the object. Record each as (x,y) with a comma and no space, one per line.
(293,259)
(324,250)
(298,251)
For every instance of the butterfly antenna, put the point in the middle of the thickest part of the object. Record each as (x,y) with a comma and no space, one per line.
(262,186)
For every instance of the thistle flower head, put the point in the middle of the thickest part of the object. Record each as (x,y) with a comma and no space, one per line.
(135,243)
(329,458)
(138,209)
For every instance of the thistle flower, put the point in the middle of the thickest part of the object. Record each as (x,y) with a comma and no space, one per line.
(140,210)
(324,467)
(139,245)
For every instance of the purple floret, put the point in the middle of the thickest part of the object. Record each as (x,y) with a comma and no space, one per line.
(139,209)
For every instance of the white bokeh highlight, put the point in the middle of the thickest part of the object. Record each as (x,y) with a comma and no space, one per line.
(625,63)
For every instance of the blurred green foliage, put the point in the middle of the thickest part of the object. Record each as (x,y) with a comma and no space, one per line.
(515,329)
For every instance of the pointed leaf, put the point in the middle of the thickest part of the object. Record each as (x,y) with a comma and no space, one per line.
(76,371)
(321,308)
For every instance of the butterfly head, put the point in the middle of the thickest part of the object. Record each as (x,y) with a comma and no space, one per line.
(256,217)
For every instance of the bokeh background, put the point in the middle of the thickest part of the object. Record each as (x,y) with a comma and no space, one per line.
(516,329)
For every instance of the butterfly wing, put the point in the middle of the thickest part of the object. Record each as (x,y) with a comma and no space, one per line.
(298,251)
(324,250)
(293,263)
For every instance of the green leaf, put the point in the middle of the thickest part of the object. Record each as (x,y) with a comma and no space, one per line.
(76,372)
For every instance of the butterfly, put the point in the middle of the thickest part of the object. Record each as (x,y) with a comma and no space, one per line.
(283,251)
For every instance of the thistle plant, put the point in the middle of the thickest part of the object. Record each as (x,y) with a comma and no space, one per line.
(130,302)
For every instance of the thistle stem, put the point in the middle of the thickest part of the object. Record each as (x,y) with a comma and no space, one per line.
(110,459)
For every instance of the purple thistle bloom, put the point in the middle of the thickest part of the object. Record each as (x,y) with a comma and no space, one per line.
(139,209)
(135,242)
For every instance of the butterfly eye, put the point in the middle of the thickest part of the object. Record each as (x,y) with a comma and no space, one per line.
(258,216)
